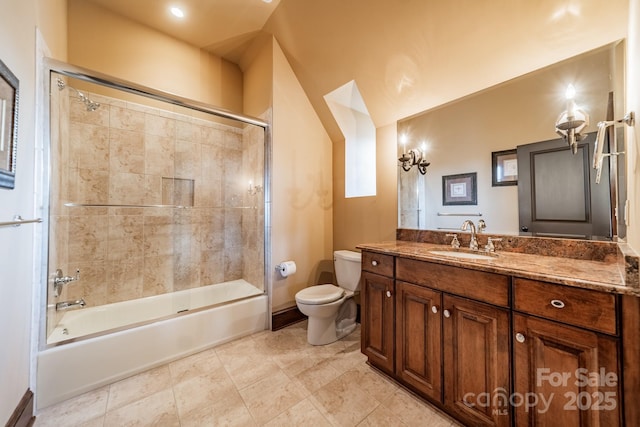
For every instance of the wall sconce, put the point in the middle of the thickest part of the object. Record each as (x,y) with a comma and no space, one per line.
(412,158)
(572,121)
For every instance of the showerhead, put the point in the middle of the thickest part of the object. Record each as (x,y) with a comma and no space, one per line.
(89,104)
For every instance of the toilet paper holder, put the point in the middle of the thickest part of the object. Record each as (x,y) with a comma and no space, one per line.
(286,268)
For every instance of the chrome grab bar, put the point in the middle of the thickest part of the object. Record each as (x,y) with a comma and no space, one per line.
(92,205)
(458,214)
(18,221)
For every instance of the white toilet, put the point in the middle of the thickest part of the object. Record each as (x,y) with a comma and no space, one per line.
(331,309)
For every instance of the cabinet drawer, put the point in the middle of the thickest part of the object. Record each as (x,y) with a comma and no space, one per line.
(580,307)
(377,263)
(478,285)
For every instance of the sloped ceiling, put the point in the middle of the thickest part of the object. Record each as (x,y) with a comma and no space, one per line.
(222,27)
(406,56)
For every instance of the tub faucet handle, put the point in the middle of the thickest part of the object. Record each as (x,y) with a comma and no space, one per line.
(61,280)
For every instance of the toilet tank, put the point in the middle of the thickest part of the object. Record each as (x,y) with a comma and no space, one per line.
(347,265)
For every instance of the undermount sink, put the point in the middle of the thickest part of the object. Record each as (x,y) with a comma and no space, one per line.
(464,255)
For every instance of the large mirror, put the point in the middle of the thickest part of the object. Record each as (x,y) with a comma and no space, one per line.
(467,140)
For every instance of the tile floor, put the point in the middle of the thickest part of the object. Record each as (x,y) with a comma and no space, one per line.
(266,379)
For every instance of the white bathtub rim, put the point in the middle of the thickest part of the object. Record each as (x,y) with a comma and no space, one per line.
(145,323)
(258,322)
(169,316)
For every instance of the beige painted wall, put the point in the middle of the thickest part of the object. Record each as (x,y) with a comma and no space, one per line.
(302,207)
(301,197)
(366,219)
(103,41)
(52,23)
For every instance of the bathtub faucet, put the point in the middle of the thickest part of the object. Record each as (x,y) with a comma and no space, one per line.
(60,280)
(66,305)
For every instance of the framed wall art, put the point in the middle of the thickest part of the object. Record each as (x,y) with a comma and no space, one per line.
(461,189)
(8,126)
(504,168)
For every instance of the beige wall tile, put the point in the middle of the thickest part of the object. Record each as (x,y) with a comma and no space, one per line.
(159,155)
(158,275)
(125,237)
(122,154)
(87,238)
(127,119)
(159,126)
(125,280)
(126,151)
(89,146)
(92,187)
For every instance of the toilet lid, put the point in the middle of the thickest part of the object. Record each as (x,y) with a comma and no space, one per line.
(320,294)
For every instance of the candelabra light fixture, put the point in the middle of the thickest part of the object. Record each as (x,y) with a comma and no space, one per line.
(414,157)
(572,121)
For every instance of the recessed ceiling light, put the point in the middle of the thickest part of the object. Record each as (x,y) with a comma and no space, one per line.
(177,12)
(267,1)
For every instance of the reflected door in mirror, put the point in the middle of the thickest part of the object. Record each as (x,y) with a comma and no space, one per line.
(557,194)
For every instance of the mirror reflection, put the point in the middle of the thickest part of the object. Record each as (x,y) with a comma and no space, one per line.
(473,144)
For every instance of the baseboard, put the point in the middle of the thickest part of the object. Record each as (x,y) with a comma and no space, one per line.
(286,317)
(23,414)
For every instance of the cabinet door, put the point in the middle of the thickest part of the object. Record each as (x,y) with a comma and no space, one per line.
(566,376)
(476,362)
(419,339)
(377,320)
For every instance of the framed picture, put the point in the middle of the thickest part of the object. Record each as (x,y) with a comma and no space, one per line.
(8,127)
(504,168)
(461,189)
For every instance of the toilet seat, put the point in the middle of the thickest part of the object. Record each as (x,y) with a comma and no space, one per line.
(320,294)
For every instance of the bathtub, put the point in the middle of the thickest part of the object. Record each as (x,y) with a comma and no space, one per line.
(93,320)
(204,320)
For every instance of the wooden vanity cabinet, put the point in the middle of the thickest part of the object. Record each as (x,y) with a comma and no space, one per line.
(569,374)
(476,362)
(419,338)
(490,349)
(452,342)
(377,316)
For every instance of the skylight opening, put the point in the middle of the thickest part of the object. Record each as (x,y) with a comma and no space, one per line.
(351,114)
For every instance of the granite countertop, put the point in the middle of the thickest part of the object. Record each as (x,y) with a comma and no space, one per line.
(598,275)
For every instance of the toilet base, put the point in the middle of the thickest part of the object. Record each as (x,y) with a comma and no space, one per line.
(325,330)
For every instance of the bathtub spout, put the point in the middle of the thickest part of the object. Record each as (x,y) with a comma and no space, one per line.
(66,305)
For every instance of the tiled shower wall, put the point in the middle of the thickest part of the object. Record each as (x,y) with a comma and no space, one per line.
(129,154)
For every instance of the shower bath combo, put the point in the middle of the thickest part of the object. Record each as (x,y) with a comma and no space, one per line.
(147,204)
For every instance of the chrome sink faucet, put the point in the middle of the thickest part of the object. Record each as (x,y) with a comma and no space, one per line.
(473,245)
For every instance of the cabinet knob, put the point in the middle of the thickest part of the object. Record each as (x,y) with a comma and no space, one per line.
(557,303)
(434,309)
(388,294)
(446,313)
(520,337)
(374,262)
